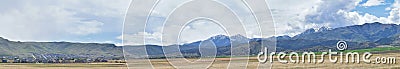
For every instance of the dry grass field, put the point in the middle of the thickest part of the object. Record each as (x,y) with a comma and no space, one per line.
(63,66)
(237,63)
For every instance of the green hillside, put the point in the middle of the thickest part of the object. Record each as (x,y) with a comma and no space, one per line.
(13,48)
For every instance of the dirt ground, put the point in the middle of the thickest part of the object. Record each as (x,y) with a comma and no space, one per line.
(252,63)
(217,63)
(63,66)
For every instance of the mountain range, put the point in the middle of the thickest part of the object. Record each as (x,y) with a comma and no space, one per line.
(368,35)
(27,49)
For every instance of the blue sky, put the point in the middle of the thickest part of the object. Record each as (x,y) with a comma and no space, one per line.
(291,17)
(379,10)
(101,21)
(295,16)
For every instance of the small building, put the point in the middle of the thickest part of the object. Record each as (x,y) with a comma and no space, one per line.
(4,61)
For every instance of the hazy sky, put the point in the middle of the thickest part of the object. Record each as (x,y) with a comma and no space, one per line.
(101,21)
(62,20)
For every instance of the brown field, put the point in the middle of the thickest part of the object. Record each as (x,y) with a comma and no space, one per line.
(240,63)
(237,63)
(63,66)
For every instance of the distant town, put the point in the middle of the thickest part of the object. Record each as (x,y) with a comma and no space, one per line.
(60,58)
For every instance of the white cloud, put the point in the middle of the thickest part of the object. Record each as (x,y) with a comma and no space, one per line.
(30,22)
(373,3)
(49,20)
(141,38)
(388,8)
(195,31)
(198,30)
(294,18)
(87,27)
(395,12)
(359,19)
(289,15)
(396,4)
(327,12)
(395,15)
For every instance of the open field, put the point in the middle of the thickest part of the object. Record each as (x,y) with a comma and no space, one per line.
(218,63)
(240,63)
(237,63)
(63,66)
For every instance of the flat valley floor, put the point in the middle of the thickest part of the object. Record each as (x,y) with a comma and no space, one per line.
(219,63)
